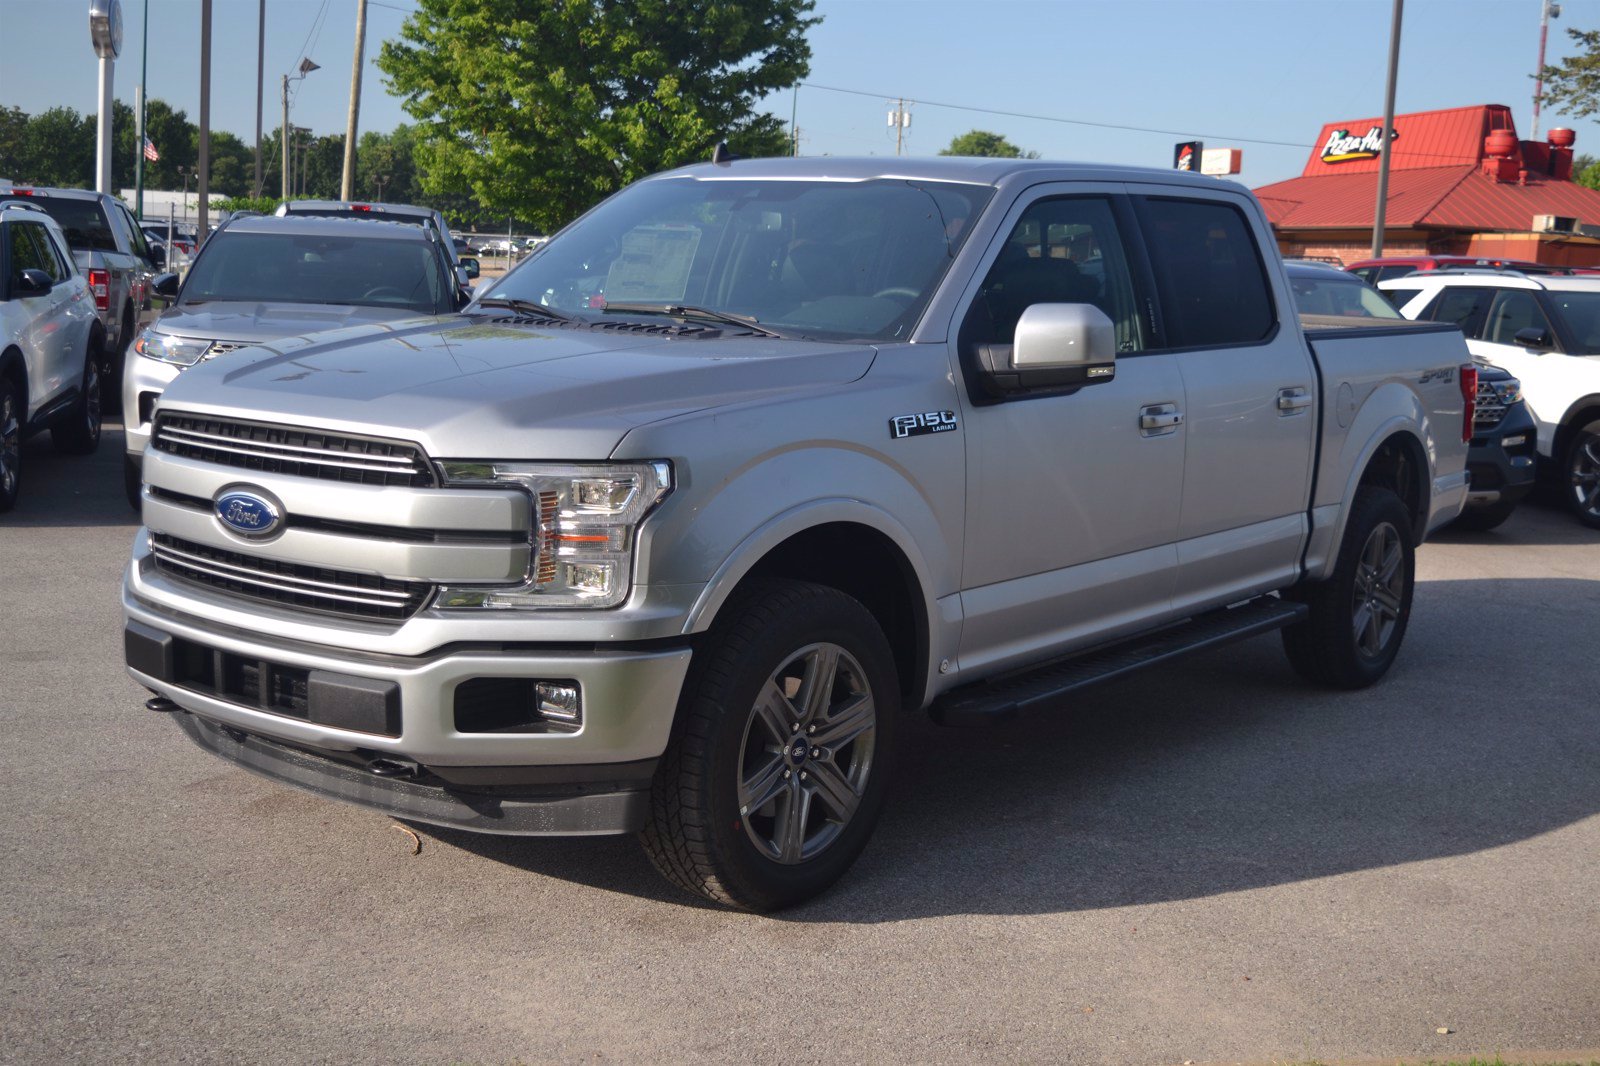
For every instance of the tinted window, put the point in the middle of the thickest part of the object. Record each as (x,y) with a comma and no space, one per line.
(83,221)
(1580,313)
(1461,306)
(1064,251)
(1367,274)
(25,253)
(1513,310)
(284,268)
(1213,286)
(1399,270)
(58,266)
(1399,295)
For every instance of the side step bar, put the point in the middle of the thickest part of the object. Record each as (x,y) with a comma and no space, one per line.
(1002,699)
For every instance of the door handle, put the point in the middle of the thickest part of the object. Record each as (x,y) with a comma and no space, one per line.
(1159,419)
(1294,398)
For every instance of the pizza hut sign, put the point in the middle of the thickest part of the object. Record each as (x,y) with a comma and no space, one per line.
(1343,147)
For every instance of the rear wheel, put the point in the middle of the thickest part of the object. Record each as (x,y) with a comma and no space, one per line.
(1581,475)
(1359,615)
(78,432)
(775,774)
(11,414)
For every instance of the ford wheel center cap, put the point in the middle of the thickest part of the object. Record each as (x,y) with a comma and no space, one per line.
(250,514)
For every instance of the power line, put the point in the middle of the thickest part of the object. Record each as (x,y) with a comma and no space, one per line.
(1055,118)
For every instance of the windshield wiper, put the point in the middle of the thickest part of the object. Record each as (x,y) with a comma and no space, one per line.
(526,307)
(690,311)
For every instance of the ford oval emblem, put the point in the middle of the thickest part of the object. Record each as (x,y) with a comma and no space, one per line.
(248,513)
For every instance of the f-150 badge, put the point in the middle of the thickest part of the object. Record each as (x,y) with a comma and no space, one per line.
(922,422)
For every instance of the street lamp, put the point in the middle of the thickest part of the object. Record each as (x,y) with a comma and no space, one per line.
(380,180)
(184,173)
(306,67)
(105,33)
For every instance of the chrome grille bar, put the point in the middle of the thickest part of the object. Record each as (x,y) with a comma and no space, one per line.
(309,587)
(294,451)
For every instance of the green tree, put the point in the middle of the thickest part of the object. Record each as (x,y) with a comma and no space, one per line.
(984,143)
(542,109)
(13,140)
(1572,86)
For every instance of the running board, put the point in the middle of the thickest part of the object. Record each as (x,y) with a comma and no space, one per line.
(1002,699)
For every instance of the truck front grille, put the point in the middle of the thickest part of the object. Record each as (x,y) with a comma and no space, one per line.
(308,588)
(1488,410)
(298,452)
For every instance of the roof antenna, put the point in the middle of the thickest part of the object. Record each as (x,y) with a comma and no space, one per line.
(720,153)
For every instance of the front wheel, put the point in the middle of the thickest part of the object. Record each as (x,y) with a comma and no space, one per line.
(78,432)
(1581,472)
(776,771)
(1358,616)
(11,415)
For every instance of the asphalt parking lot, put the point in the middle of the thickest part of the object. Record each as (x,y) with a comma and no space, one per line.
(1210,862)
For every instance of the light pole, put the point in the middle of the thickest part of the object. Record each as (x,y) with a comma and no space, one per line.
(306,67)
(105,32)
(380,180)
(183,172)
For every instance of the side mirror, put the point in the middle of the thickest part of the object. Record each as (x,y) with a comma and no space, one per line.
(1055,346)
(470,265)
(158,257)
(165,286)
(1533,337)
(33,282)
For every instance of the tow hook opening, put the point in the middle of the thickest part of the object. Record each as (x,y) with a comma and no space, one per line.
(161,705)
(391,767)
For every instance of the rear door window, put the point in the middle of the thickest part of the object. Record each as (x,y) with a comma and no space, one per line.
(1213,285)
(26,254)
(1465,306)
(1513,311)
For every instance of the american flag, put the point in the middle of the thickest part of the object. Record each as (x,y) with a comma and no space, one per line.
(150,152)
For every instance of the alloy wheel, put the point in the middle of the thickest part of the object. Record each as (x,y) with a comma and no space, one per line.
(1379,590)
(10,442)
(806,753)
(1583,474)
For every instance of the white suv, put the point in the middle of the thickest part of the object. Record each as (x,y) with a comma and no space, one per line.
(1544,330)
(51,344)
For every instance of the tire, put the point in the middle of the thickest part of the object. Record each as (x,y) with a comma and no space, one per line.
(12,412)
(1483,519)
(113,366)
(78,431)
(765,797)
(132,483)
(1580,475)
(1359,615)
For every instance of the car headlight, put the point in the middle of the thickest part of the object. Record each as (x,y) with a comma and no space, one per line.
(585,518)
(1508,391)
(179,351)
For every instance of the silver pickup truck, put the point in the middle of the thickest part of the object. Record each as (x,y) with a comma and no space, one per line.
(664,533)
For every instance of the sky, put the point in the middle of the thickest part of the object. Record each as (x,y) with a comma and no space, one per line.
(1117,81)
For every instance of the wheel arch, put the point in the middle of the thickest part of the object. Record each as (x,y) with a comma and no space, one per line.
(1400,464)
(1580,414)
(845,546)
(13,365)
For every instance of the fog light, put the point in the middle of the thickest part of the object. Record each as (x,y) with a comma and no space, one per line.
(1512,442)
(558,702)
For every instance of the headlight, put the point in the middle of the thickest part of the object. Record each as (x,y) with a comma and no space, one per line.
(176,350)
(585,517)
(1508,391)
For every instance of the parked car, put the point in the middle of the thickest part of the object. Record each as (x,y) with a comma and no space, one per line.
(1388,268)
(1546,332)
(664,533)
(182,236)
(421,216)
(51,344)
(274,280)
(111,252)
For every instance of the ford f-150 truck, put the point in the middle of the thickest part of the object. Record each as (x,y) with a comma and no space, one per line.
(664,533)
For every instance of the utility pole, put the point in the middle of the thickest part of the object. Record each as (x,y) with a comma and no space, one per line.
(1388,132)
(900,119)
(794,112)
(261,61)
(306,67)
(347,185)
(1550,10)
(204,163)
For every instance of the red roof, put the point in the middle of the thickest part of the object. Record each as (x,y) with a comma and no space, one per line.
(1438,177)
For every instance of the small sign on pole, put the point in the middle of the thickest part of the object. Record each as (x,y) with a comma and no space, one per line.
(1186,155)
(1218,161)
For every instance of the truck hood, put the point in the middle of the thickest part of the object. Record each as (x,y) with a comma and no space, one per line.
(252,322)
(469,387)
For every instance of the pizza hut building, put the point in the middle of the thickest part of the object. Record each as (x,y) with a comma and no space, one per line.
(1460,183)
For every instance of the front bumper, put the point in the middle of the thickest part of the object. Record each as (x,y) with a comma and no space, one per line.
(1501,473)
(381,730)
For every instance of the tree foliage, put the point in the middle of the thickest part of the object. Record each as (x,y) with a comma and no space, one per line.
(543,109)
(984,143)
(1572,86)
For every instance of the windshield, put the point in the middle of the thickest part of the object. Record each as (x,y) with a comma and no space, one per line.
(1337,294)
(288,268)
(83,222)
(1580,312)
(828,260)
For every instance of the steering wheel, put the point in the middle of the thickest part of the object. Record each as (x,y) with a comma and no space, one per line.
(383,292)
(910,294)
